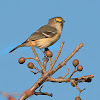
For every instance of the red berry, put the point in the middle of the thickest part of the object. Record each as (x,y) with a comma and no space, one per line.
(11,98)
(79,68)
(75,62)
(49,54)
(21,60)
(77,98)
(30,65)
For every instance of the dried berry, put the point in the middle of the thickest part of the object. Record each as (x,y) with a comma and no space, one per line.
(79,68)
(21,60)
(11,98)
(77,98)
(30,65)
(49,54)
(75,62)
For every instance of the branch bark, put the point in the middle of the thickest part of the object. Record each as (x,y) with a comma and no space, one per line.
(37,58)
(69,57)
(47,75)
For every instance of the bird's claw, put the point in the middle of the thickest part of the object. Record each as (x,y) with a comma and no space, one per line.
(45,57)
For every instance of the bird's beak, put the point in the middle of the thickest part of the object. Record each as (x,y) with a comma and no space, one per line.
(63,21)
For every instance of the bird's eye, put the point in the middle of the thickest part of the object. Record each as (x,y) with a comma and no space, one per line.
(56,20)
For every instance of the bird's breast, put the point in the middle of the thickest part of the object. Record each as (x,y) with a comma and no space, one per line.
(46,42)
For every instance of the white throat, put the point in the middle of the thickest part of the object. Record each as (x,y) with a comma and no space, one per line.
(57,26)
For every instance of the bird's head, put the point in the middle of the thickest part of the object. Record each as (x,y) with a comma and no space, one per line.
(56,20)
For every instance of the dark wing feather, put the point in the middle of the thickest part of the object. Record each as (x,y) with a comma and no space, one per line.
(44,32)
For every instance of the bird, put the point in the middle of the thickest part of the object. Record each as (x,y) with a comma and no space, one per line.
(45,36)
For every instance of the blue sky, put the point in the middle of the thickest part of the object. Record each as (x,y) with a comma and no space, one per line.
(20,18)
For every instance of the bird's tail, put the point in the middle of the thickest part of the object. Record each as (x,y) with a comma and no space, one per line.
(15,48)
(26,43)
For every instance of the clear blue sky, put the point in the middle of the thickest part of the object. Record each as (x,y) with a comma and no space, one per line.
(20,18)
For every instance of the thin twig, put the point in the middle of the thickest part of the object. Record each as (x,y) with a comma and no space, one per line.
(69,57)
(38,60)
(66,73)
(50,65)
(31,58)
(59,80)
(80,92)
(73,72)
(47,75)
(45,62)
(37,70)
(39,82)
(84,77)
(59,52)
(67,79)
(34,72)
(72,81)
(41,88)
(40,93)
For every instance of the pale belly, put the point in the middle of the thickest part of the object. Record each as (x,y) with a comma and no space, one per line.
(46,42)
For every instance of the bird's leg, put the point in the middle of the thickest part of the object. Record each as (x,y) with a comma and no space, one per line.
(46,49)
(42,51)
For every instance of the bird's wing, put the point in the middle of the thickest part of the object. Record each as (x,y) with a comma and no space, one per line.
(44,32)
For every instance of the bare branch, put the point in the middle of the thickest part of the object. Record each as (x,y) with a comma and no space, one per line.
(38,60)
(73,72)
(40,93)
(59,80)
(50,65)
(46,76)
(34,72)
(31,58)
(40,81)
(69,57)
(66,73)
(45,62)
(41,88)
(68,79)
(84,77)
(73,82)
(38,70)
(59,52)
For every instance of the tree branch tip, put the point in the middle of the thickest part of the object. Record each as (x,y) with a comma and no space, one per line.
(51,95)
(41,93)
(92,76)
(63,42)
(81,44)
(84,89)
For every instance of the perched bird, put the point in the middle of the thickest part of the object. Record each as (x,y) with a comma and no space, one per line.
(45,36)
